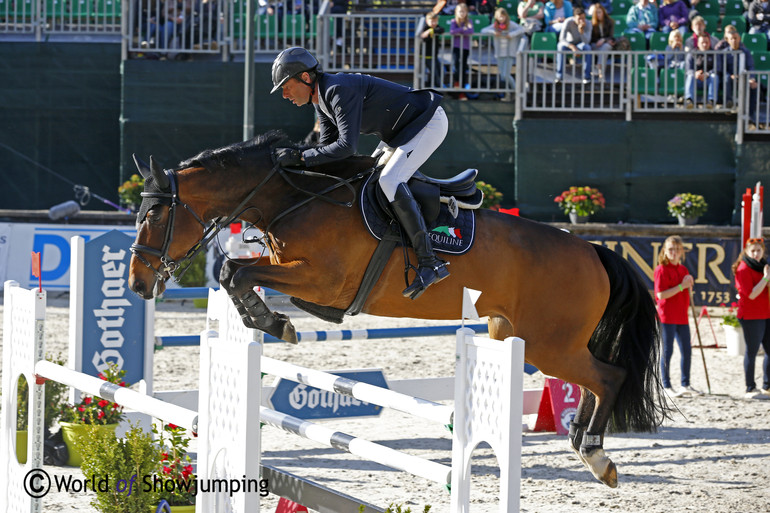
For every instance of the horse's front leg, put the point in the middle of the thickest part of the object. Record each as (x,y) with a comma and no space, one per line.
(253,311)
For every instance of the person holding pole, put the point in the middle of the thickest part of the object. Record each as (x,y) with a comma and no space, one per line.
(672,295)
(752,274)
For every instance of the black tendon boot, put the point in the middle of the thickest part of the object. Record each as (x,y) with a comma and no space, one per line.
(430,269)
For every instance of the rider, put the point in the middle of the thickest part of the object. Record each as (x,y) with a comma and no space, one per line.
(410,124)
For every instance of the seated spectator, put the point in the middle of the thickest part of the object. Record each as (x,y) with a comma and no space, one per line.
(674,56)
(602,35)
(556,13)
(575,36)
(461,28)
(588,5)
(430,39)
(702,70)
(759,17)
(732,65)
(698,26)
(531,14)
(508,39)
(642,17)
(673,15)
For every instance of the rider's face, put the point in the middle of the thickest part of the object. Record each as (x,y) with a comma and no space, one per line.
(296,91)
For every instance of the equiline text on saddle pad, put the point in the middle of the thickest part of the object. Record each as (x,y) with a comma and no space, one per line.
(449,233)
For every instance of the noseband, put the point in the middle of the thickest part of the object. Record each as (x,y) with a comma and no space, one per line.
(168,265)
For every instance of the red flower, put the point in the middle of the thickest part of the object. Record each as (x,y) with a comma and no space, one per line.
(115,406)
(81,408)
(172,426)
(100,414)
(164,456)
(87,400)
(166,470)
(103,403)
(102,376)
(122,383)
(187,471)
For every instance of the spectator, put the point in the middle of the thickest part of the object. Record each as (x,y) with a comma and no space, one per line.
(673,284)
(752,274)
(759,17)
(732,65)
(602,36)
(430,38)
(588,5)
(702,68)
(461,28)
(575,36)
(642,17)
(531,15)
(556,13)
(508,39)
(674,56)
(673,15)
(698,26)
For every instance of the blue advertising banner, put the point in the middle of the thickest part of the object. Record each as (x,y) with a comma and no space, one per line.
(307,402)
(113,318)
(709,261)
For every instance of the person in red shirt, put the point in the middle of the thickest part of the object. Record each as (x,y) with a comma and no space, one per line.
(752,274)
(672,293)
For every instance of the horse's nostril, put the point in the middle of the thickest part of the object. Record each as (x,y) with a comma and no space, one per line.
(138,286)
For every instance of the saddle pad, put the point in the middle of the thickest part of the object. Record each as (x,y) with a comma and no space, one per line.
(449,235)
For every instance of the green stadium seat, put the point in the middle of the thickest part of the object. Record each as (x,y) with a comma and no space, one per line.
(638,43)
(659,41)
(620,23)
(755,42)
(445,20)
(479,21)
(621,7)
(17,10)
(712,22)
(739,22)
(55,8)
(544,41)
(708,8)
(510,6)
(672,81)
(81,9)
(734,8)
(762,63)
(645,81)
(109,9)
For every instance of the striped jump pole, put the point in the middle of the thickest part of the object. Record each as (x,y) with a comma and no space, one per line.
(422,408)
(126,397)
(398,460)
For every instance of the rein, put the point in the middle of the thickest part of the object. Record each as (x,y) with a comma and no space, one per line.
(169,265)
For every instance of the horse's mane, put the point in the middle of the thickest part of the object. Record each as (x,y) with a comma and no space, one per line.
(245,153)
(237,154)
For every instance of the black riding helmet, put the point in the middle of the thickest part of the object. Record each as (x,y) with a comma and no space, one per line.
(289,64)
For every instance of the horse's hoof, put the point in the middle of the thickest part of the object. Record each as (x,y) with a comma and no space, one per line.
(601,466)
(289,333)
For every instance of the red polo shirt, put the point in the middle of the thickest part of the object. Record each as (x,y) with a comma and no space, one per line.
(674,309)
(746,279)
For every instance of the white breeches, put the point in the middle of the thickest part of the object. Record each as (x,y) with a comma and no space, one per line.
(402,162)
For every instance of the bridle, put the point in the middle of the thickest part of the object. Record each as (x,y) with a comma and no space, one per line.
(168,266)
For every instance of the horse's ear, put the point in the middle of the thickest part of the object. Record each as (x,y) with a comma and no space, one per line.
(159,175)
(142,166)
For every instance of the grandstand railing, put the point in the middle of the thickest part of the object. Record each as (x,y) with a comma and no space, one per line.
(632,82)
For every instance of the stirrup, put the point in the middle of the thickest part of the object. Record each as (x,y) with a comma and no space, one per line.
(425,277)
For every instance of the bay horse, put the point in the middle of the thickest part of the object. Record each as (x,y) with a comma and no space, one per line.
(584,313)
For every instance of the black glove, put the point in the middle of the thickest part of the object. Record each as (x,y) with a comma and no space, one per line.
(288,157)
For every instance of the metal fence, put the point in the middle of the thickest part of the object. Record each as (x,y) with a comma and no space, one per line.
(539,78)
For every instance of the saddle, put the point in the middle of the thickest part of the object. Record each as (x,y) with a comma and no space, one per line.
(447,206)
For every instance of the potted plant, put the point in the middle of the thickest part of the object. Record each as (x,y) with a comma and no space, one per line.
(111,464)
(492,197)
(91,411)
(687,207)
(579,203)
(734,340)
(53,399)
(175,465)
(131,192)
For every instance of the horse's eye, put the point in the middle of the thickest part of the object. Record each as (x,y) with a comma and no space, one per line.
(153,217)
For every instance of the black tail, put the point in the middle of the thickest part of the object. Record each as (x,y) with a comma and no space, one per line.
(628,335)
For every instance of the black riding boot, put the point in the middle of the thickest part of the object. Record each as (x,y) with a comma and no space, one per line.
(430,269)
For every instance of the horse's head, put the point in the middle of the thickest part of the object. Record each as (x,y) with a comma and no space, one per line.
(165,232)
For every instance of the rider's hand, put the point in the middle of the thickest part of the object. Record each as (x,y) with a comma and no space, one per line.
(288,157)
